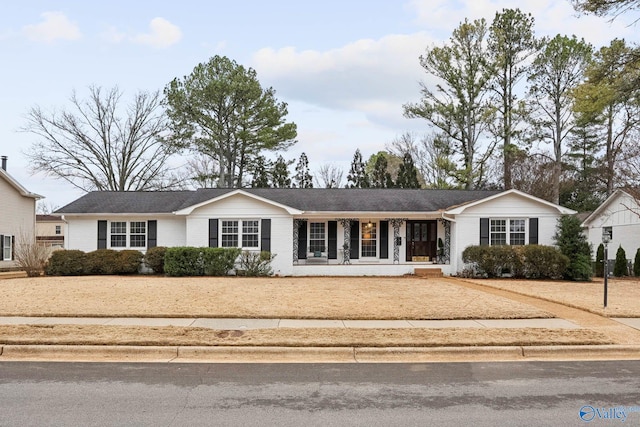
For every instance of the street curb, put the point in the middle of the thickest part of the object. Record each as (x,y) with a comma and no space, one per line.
(266,354)
(238,354)
(88,353)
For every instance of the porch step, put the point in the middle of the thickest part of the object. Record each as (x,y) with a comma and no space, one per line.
(428,272)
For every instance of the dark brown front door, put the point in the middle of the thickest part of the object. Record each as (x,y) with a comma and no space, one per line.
(422,239)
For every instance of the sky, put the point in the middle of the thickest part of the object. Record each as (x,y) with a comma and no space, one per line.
(344,67)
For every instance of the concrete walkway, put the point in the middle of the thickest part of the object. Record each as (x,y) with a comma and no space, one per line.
(244,324)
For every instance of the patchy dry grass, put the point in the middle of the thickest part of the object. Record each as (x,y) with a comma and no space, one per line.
(623,294)
(305,297)
(287,337)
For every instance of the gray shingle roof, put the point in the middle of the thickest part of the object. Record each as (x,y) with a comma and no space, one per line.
(317,199)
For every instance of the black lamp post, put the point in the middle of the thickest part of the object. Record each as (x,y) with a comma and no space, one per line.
(606,238)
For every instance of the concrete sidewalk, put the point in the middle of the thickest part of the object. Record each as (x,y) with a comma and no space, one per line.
(245,324)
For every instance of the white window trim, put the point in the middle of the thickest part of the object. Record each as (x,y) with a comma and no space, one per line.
(240,226)
(326,246)
(377,240)
(128,235)
(508,230)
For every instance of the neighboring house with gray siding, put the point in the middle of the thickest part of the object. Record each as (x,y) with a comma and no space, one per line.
(316,231)
(17,215)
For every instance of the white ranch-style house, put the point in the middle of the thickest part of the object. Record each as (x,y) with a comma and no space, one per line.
(316,231)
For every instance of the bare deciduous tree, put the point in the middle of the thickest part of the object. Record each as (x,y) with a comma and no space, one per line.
(329,176)
(93,147)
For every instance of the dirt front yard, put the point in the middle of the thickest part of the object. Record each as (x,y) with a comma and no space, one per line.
(290,298)
(308,297)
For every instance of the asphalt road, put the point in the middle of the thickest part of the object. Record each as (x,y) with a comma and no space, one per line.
(442,394)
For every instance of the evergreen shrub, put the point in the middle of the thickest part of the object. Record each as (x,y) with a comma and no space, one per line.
(154,258)
(66,263)
(620,266)
(529,261)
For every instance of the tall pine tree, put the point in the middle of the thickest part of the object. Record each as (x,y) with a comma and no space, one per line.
(303,178)
(357,177)
(407,173)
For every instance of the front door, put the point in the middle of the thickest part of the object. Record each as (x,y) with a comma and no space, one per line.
(422,239)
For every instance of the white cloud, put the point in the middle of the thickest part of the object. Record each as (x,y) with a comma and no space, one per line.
(113,35)
(551,17)
(366,75)
(55,26)
(162,33)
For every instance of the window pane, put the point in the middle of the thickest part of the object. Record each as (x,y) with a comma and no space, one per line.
(517,232)
(229,234)
(6,253)
(119,227)
(118,234)
(229,240)
(118,240)
(498,232)
(369,243)
(317,237)
(138,227)
(250,234)
(138,240)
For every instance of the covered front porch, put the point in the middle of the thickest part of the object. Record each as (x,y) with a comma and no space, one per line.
(371,246)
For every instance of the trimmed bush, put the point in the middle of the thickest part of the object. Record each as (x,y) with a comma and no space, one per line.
(530,261)
(129,261)
(219,261)
(491,261)
(154,258)
(620,267)
(636,264)
(189,261)
(543,262)
(255,263)
(101,261)
(66,263)
(183,261)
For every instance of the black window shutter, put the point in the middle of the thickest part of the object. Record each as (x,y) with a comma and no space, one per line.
(265,235)
(102,234)
(302,240)
(152,233)
(332,238)
(13,248)
(384,239)
(484,231)
(213,233)
(1,247)
(533,231)
(355,240)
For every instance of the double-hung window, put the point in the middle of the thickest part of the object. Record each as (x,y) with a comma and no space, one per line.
(118,234)
(250,234)
(369,239)
(7,248)
(240,234)
(137,234)
(317,237)
(505,231)
(134,232)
